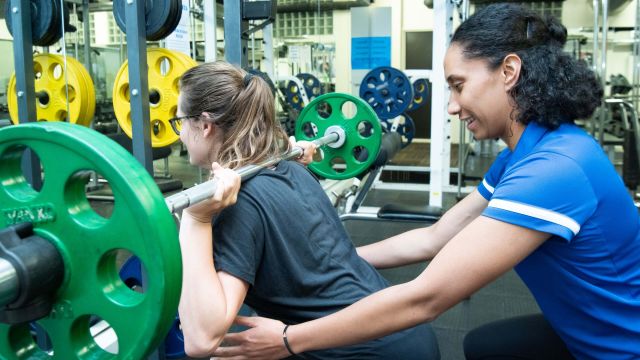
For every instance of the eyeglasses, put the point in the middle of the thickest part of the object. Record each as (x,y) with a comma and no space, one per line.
(176,122)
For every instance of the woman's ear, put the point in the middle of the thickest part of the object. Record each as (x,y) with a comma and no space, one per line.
(208,127)
(510,68)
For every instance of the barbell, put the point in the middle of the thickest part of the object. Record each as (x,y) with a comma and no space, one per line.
(58,263)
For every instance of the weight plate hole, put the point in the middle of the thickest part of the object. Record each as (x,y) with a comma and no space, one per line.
(43,98)
(71,91)
(338,164)
(349,110)
(61,115)
(88,213)
(92,329)
(124,92)
(158,128)
(310,130)
(165,66)
(120,275)
(37,70)
(56,71)
(154,97)
(12,176)
(365,129)
(176,85)
(41,338)
(131,270)
(22,341)
(324,109)
(360,153)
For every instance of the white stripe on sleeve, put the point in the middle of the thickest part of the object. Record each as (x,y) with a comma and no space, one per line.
(536,212)
(487,186)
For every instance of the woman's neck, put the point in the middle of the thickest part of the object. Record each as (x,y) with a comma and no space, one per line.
(515,131)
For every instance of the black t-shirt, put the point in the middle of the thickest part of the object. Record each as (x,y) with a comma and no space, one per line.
(284,238)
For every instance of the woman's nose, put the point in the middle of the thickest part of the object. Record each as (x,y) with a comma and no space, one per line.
(453,108)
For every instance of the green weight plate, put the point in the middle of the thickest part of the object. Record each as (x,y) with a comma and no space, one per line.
(360,124)
(140,223)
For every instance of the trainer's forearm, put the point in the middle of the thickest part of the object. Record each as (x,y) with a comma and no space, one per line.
(406,301)
(407,248)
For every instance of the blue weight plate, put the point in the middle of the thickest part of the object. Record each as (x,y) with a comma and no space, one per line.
(312,87)
(174,342)
(131,274)
(387,90)
(420,94)
(405,128)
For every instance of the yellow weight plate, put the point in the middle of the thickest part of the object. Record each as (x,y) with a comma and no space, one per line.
(74,65)
(50,80)
(165,69)
(90,89)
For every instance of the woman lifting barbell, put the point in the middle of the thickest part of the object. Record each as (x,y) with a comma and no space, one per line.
(551,206)
(290,267)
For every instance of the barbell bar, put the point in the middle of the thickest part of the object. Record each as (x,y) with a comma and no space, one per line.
(207,189)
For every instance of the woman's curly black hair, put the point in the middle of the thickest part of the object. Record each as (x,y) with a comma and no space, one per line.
(553,87)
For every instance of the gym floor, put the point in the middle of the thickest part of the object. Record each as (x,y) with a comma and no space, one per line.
(504,298)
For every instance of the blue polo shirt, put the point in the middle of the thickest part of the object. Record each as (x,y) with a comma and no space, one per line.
(586,277)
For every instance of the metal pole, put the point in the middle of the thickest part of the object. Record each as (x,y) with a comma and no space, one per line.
(603,66)
(201,192)
(253,50)
(595,64)
(25,85)
(636,57)
(9,284)
(64,57)
(440,121)
(87,37)
(462,141)
(138,83)
(235,43)
(210,31)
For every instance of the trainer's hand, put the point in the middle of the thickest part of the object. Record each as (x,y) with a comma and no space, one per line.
(226,194)
(262,341)
(308,150)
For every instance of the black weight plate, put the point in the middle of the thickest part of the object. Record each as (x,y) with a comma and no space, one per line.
(159,17)
(45,21)
(176,15)
(172,21)
(264,77)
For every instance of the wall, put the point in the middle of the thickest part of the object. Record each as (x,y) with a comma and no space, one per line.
(4,32)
